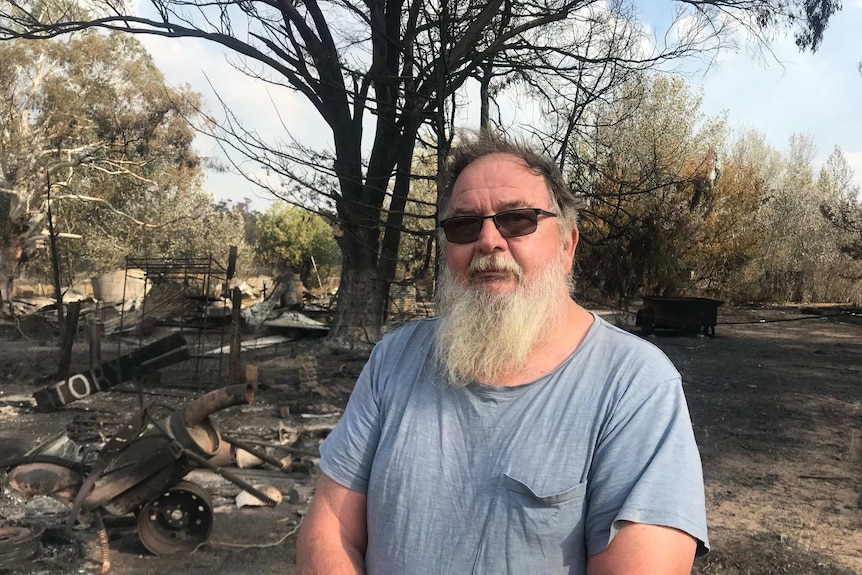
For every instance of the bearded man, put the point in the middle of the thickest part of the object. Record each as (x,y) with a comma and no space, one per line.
(516,433)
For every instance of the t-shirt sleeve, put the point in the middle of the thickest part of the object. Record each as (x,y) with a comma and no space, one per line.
(646,467)
(347,453)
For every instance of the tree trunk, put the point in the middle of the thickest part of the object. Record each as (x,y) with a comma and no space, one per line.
(360,300)
(485,97)
(7,279)
(361,297)
(16,242)
(11,252)
(395,219)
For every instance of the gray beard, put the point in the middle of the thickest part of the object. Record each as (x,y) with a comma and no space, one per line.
(482,335)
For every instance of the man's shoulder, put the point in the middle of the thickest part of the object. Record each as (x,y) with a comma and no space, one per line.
(618,346)
(407,338)
(620,336)
(419,328)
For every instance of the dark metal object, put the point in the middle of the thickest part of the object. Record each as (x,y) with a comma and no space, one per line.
(68,327)
(140,471)
(147,459)
(94,338)
(180,519)
(20,544)
(235,363)
(196,281)
(57,481)
(148,359)
(691,314)
(198,410)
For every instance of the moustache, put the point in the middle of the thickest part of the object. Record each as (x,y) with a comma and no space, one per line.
(494,264)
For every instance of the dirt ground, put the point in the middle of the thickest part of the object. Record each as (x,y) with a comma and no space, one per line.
(775,402)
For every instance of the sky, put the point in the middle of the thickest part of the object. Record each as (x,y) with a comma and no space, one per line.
(787,93)
(818,94)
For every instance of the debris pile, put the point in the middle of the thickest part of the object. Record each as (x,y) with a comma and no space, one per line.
(163,469)
(191,293)
(160,474)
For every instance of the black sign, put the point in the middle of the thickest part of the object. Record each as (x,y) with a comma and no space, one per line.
(138,363)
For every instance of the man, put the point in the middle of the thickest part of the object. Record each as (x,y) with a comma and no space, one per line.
(515,433)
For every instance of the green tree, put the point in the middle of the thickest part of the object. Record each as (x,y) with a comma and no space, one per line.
(89,124)
(787,250)
(799,257)
(648,176)
(416,250)
(841,207)
(299,240)
(731,234)
(243,211)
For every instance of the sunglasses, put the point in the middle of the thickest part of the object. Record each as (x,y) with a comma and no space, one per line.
(510,224)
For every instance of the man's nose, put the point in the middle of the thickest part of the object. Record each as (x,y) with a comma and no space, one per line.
(490,239)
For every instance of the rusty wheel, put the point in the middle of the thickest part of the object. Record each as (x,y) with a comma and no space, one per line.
(178,520)
(20,544)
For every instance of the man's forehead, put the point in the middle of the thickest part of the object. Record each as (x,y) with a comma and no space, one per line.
(502,176)
(498,169)
(498,160)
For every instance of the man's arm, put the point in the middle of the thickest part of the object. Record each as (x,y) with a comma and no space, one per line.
(639,549)
(333,535)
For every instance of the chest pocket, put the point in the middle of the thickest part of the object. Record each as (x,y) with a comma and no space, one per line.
(527,533)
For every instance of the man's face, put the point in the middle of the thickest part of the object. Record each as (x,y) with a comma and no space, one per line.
(489,185)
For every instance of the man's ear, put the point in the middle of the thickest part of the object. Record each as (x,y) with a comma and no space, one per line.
(571,243)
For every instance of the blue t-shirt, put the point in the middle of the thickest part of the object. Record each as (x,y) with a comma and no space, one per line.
(520,480)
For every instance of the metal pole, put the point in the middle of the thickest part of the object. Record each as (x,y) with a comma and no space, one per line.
(94,336)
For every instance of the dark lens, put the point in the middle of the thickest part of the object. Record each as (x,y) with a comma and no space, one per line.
(516,223)
(462,229)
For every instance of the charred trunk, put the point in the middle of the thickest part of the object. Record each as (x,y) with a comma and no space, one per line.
(362,293)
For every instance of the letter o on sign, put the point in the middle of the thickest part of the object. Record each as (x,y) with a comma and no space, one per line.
(77,383)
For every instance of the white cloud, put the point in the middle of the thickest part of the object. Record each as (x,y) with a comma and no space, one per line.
(271,111)
(204,66)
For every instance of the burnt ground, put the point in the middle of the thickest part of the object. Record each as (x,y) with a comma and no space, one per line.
(775,406)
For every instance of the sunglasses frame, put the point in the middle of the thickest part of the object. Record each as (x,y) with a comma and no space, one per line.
(537,211)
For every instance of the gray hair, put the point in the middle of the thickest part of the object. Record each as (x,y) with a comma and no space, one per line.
(488,142)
